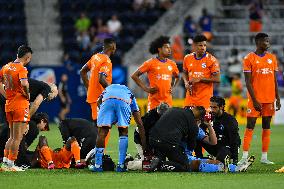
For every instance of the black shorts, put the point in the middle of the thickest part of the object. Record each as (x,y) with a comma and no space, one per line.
(220,152)
(174,153)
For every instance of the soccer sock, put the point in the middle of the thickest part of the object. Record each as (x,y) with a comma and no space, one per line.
(45,151)
(75,149)
(232,168)
(139,150)
(247,139)
(99,157)
(265,140)
(13,154)
(210,168)
(123,145)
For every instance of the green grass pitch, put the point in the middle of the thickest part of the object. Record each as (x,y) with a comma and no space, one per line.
(258,176)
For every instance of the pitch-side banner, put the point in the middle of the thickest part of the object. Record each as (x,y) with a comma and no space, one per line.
(241,115)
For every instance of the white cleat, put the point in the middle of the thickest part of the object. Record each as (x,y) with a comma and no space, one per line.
(267,162)
(243,160)
(245,165)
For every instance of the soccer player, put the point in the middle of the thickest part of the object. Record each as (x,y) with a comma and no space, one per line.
(160,71)
(61,158)
(149,120)
(200,71)
(83,130)
(100,68)
(260,69)
(14,76)
(227,132)
(38,122)
(117,103)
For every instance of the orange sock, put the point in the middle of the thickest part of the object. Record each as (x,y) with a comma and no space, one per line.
(265,139)
(107,139)
(13,154)
(75,149)
(45,151)
(6,153)
(247,139)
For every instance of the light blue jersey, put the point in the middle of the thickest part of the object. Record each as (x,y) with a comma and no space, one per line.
(118,103)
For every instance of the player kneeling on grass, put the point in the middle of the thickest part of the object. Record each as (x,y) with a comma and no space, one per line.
(117,104)
(173,128)
(61,158)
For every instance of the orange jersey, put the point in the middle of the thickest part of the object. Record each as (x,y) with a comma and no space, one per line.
(204,67)
(11,74)
(160,75)
(98,64)
(61,158)
(262,69)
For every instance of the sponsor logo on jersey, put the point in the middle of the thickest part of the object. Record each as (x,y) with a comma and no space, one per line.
(264,71)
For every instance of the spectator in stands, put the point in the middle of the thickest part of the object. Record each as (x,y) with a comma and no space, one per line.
(205,23)
(234,63)
(84,40)
(114,25)
(92,32)
(189,28)
(103,33)
(255,16)
(165,4)
(177,49)
(83,23)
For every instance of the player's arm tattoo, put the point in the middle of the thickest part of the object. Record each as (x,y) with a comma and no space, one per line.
(215,78)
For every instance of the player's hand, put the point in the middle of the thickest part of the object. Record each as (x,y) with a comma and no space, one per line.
(278,104)
(257,106)
(151,90)
(171,90)
(188,87)
(27,129)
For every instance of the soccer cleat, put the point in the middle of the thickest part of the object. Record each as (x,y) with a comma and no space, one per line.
(243,160)
(226,164)
(16,168)
(95,169)
(51,166)
(281,170)
(266,161)
(121,168)
(243,167)
(5,167)
(154,164)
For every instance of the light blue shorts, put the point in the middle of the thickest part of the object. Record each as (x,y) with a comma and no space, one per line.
(114,111)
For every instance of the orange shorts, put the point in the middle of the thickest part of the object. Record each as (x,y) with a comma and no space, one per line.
(94,107)
(20,115)
(255,26)
(267,110)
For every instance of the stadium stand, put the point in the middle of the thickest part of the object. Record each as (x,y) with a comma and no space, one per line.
(12,28)
(135,23)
